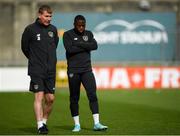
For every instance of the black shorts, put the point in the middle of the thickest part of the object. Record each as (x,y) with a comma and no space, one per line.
(39,84)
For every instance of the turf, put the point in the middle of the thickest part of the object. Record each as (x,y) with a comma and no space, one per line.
(144,112)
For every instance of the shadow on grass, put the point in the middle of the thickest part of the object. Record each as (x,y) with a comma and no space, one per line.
(65,127)
(70,127)
(56,130)
(28,130)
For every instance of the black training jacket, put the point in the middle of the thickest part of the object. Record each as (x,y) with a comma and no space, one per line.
(78,47)
(39,45)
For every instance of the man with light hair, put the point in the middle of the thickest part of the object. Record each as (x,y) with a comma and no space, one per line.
(39,43)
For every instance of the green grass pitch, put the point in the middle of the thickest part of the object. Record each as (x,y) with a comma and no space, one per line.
(137,112)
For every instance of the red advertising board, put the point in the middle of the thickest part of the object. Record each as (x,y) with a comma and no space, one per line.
(137,77)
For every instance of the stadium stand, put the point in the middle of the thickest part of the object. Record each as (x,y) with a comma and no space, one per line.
(16,14)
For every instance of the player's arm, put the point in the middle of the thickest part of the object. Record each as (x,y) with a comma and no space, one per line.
(92,45)
(56,38)
(89,45)
(69,45)
(25,42)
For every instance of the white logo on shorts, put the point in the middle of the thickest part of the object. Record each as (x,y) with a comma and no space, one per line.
(71,75)
(36,87)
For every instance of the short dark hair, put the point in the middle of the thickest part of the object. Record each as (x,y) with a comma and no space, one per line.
(45,8)
(79,17)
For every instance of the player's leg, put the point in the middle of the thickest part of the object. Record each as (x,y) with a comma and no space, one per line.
(37,87)
(89,83)
(48,105)
(38,108)
(49,97)
(74,88)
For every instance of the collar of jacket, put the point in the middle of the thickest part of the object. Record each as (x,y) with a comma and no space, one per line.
(77,32)
(39,23)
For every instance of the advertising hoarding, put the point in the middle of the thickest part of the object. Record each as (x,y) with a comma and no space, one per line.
(126,36)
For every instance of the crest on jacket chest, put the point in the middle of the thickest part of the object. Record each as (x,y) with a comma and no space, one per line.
(85,38)
(51,34)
